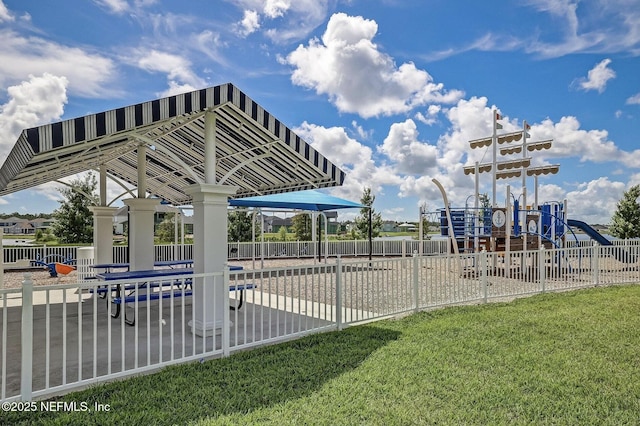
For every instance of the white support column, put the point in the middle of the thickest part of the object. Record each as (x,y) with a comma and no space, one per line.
(1,259)
(524,169)
(494,165)
(314,234)
(103,223)
(476,207)
(209,254)
(175,234)
(535,180)
(210,147)
(103,233)
(141,252)
(523,219)
(508,225)
(420,230)
(142,171)
(103,185)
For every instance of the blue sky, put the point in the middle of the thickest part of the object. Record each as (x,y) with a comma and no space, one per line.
(389,90)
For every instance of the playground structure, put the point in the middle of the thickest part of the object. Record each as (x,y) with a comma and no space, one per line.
(517,225)
(56,264)
(509,228)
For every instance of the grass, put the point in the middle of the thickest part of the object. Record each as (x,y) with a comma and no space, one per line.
(570,358)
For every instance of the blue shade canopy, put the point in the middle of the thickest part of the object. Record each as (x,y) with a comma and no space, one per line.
(300,200)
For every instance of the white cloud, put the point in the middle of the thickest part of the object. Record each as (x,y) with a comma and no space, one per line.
(352,157)
(572,27)
(470,119)
(209,43)
(348,67)
(594,201)
(283,20)
(144,3)
(634,100)
(119,7)
(360,131)
(167,27)
(592,27)
(249,24)
(431,117)
(5,15)
(486,43)
(571,141)
(31,103)
(411,156)
(457,189)
(178,70)
(631,159)
(88,73)
(114,6)
(176,88)
(597,77)
(276,8)
(423,187)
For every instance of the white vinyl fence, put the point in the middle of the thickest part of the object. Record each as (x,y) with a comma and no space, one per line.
(244,251)
(56,338)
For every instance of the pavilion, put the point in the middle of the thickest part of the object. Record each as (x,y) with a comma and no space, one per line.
(197,148)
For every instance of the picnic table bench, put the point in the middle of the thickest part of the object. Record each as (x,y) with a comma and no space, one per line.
(154,279)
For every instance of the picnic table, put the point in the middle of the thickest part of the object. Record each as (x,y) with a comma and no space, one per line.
(150,279)
(107,267)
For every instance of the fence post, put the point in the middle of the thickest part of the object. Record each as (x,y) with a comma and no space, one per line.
(595,255)
(226,322)
(1,259)
(415,276)
(339,292)
(542,270)
(26,368)
(485,274)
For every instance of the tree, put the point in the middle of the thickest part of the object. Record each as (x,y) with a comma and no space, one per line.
(239,226)
(301,224)
(166,229)
(424,219)
(626,218)
(485,210)
(44,236)
(362,221)
(282,233)
(73,219)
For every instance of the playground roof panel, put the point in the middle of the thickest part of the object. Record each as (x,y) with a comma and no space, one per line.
(254,150)
(302,200)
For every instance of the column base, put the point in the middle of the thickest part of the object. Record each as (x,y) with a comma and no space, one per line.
(212,328)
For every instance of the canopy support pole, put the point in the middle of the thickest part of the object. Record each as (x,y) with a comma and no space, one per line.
(210,245)
(103,224)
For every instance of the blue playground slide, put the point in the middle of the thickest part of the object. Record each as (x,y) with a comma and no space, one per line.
(590,231)
(622,256)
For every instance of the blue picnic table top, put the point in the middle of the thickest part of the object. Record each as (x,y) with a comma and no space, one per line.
(150,273)
(121,265)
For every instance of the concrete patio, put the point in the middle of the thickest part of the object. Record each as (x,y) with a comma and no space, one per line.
(108,346)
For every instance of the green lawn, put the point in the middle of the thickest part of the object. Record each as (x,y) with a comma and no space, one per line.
(570,358)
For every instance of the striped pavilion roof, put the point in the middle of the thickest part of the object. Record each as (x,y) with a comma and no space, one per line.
(254,150)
